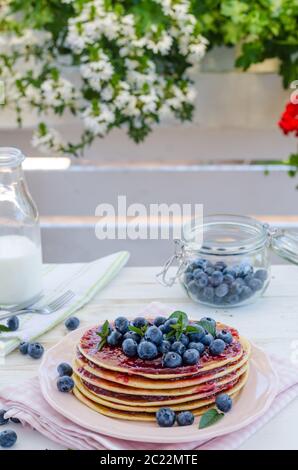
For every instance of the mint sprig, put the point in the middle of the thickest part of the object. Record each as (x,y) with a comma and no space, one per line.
(177,329)
(208,326)
(140,331)
(4,329)
(103,333)
(209,418)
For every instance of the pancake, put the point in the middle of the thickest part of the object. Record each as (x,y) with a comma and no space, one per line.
(107,410)
(110,389)
(113,358)
(127,402)
(115,381)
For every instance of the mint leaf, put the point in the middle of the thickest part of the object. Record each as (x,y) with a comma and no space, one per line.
(208,326)
(210,417)
(102,343)
(181,317)
(139,331)
(103,333)
(4,329)
(191,329)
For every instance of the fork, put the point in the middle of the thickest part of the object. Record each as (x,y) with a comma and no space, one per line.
(46,309)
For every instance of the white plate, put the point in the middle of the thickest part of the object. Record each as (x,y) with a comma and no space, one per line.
(253,401)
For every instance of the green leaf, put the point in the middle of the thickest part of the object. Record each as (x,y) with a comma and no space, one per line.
(208,326)
(4,329)
(139,331)
(102,343)
(210,417)
(191,329)
(181,317)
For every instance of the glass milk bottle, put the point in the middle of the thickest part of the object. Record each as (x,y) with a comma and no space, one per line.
(20,246)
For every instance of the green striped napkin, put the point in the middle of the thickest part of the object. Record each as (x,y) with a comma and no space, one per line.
(84,279)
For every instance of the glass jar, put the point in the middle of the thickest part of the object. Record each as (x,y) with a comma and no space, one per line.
(223,261)
(20,246)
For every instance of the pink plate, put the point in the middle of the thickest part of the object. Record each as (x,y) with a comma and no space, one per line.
(255,398)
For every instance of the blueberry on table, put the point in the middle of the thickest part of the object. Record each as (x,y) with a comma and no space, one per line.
(198,346)
(147,350)
(185,418)
(226,336)
(158,321)
(216,278)
(64,369)
(65,384)
(165,417)
(207,339)
(7,438)
(223,402)
(130,347)
(153,334)
(132,335)
(72,323)
(172,360)
(191,357)
(217,347)
(121,325)
(35,350)
(23,347)
(140,322)
(13,323)
(114,338)
(164,347)
(2,419)
(178,347)
(261,274)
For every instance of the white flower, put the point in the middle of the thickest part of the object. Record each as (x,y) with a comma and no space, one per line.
(58,92)
(97,72)
(97,121)
(49,140)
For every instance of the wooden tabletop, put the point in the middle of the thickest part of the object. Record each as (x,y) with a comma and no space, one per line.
(271,322)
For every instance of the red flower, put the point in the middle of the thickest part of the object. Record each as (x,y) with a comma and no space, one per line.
(289,119)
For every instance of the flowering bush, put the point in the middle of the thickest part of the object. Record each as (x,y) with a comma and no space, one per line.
(289,119)
(133,58)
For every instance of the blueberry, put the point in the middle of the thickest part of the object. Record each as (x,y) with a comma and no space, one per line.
(7,438)
(65,384)
(261,274)
(153,334)
(209,320)
(197,273)
(228,279)
(159,321)
(147,350)
(140,322)
(237,286)
(23,347)
(207,294)
(2,419)
(35,350)
(198,335)
(114,338)
(13,323)
(193,287)
(164,347)
(165,417)
(121,324)
(226,336)
(245,269)
(167,325)
(255,284)
(72,323)
(209,270)
(207,339)
(223,402)
(220,266)
(178,347)
(184,339)
(172,360)
(233,299)
(203,280)
(185,418)
(15,420)
(132,335)
(216,278)
(246,293)
(199,263)
(130,347)
(221,290)
(64,369)
(198,346)
(217,347)
(230,272)
(188,277)
(191,357)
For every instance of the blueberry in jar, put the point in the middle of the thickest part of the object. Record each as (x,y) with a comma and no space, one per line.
(245,269)
(72,323)
(203,280)
(185,418)
(198,346)
(172,360)
(7,438)
(223,402)
(13,323)
(187,278)
(197,273)
(147,350)
(191,357)
(165,417)
(221,290)
(261,274)
(207,294)
(64,369)
(194,288)
(114,338)
(255,284)
(216,278)
(153,334)
(246,293)
(220,266)
(225,335)
(228,279)
(65,384)
(130,347)
(121,325)
(178,347)
(217,347)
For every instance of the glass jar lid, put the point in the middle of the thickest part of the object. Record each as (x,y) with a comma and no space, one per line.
(224,234)
(285,244)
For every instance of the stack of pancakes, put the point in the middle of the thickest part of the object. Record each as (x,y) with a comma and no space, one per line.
(130,388)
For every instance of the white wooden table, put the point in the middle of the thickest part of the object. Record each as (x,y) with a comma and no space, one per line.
(271,323)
